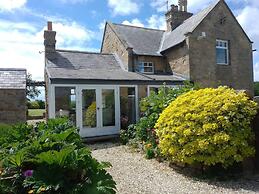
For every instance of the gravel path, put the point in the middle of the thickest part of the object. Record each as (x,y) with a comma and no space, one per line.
(134,175)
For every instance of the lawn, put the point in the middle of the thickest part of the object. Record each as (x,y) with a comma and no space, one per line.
(36,112)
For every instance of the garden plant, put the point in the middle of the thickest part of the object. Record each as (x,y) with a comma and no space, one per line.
(49,158)
(151,107)
(207,127)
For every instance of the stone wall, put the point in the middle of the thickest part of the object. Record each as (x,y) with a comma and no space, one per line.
(12,106)
(112,44)
(160,64)
(178,59)
(220,24)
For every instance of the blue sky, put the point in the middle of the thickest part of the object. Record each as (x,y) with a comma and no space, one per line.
(79,25)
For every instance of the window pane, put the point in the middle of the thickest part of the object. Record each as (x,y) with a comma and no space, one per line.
(128,106)
(222,56)
(140,68)
(145,67)
(154,89)
(108,107)
(148,69)
(89,108)
(65,100)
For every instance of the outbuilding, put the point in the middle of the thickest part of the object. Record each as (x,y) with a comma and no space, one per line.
(12,95)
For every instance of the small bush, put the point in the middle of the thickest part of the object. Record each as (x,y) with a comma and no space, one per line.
(37,104)
(129,133)
(208,127)
(50,158)
(33,105)
(153,105)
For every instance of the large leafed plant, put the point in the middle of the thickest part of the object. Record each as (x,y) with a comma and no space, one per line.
(49,158)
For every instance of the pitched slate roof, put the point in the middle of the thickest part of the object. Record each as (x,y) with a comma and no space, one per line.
(12,78)
(144,41)
(95,66)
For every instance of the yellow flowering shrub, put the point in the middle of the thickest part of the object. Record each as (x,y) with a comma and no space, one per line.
(207,126)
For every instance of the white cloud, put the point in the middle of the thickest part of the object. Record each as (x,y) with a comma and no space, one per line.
(134,22)
(21,43)
(70,34)
(123,7)
(193,5)
(101,26)
(157,22)
(248,18)
(9,5)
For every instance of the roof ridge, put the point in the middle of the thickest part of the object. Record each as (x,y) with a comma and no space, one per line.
(83,52)
(145,28)
(208,9)
(121,39)
(197,18)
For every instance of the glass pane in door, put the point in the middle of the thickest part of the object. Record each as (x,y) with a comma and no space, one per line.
(108,107)
(65,101)
(89,108)
(127,106)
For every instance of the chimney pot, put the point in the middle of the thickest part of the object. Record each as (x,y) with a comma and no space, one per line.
(177,15)
(49,26)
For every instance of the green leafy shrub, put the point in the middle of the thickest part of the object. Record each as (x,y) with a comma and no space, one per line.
(208,127)
(153,105)
(256,88)
(50,158)
(129,133)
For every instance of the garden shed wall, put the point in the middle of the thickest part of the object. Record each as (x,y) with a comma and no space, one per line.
(12,96)
(12,106)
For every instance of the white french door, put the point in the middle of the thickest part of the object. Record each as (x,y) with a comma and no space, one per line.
(99,112)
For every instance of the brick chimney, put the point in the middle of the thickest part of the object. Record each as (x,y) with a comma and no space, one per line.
(49,41)
(177,15)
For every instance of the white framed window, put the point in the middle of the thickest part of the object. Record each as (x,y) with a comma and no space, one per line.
(145,67)
(222,52)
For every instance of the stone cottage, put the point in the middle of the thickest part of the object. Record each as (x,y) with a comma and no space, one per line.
(12,96)
(100,91)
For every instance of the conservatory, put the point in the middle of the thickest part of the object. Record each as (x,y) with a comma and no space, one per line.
(95,93)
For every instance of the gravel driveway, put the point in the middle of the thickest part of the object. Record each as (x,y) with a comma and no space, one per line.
(134,174)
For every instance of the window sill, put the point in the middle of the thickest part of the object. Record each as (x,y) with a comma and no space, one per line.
(223,64)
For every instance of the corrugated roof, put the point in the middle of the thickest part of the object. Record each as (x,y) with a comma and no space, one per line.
(144,41)
(95,66)
(178,35)
(12,78)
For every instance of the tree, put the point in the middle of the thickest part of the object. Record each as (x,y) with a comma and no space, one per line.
(31,91)
(256,88)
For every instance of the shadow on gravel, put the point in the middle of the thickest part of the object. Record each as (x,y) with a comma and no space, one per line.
(220,177)
(104,144)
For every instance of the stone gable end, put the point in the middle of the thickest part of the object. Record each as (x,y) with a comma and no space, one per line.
(221,24)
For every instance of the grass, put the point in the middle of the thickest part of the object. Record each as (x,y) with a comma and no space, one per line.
(36,112)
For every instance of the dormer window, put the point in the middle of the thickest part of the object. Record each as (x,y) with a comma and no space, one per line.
(222,52)
(145,67)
